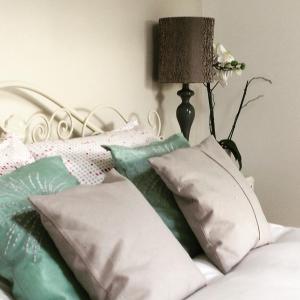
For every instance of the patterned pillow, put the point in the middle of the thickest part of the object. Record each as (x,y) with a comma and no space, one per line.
(13,154)
(85,158)
(28,257)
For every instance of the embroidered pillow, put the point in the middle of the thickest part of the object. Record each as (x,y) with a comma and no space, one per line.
(217,201)
(13,154)
(85,158)
(133,163)
(116,244)
(28,257)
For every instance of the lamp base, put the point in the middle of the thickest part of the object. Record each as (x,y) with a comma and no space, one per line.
(185,111)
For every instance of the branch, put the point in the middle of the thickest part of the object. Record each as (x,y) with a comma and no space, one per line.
(239,110)
(260,78)
(215,85)
(242,105)
(211,110)
(252,100)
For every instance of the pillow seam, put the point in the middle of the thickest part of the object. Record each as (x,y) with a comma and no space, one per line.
(241,188)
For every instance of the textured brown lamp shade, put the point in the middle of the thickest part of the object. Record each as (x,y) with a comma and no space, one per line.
(185,49)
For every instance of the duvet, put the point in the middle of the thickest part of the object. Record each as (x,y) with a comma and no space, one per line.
(271,272)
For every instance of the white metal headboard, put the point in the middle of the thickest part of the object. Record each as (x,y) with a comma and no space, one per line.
(42,126)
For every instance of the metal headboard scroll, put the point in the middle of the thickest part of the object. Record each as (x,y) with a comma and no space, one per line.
(40,126)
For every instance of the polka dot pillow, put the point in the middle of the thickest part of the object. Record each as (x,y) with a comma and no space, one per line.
(85,158)
(13,154)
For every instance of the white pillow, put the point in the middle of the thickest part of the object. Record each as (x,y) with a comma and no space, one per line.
(85,158)
(13,154)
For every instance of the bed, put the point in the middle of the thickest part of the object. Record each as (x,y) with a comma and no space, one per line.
(271,271)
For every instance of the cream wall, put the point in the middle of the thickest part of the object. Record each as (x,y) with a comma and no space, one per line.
(265,34)
(87,52)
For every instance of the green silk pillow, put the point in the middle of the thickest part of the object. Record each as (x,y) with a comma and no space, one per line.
(28,257)
(133,164)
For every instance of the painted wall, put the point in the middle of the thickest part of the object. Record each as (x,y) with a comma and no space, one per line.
(265,34)
(87,52)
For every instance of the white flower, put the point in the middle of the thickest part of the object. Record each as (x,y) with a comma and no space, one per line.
(222,56)
(222,77)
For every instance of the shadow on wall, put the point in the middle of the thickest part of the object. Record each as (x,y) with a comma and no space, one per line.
(161,90)
(151,66)
(151,69)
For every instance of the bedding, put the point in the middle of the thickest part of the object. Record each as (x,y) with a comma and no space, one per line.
(29,259)
(133,163)
(270,272)
(5,290)
(5,295)
(85,158)
(13,154)
(117,246)
(212,274)
(217,201)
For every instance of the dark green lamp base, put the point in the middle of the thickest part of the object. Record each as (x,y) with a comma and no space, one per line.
(185,111)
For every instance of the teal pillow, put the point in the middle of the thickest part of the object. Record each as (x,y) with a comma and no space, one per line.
(133,164)
(28,257)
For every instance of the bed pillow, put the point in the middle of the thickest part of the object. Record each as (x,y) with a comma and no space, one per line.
(85,158)
(13,154)
(28,257)
(116,244)
(133,164)
(217,201)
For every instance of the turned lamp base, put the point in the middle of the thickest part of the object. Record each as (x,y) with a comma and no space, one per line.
(185,111)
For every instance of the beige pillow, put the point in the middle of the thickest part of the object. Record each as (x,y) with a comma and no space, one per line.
(217,201)
(116,244)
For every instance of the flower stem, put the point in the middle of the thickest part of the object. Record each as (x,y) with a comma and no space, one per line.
(211,110)
(239,111)
(242,105)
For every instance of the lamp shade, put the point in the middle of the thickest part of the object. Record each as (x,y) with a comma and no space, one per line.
(185,49)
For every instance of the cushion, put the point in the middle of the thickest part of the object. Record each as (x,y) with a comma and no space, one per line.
(217,201)
(28,257)
(133,163)
(116,244)
(13,154)
(85,158)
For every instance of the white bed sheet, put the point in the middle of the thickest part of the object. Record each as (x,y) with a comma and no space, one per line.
(4,292)
(269,272)
(211,273)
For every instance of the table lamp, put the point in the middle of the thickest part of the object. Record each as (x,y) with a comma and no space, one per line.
(185,56)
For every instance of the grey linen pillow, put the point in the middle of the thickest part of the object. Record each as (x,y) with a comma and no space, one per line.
(217,201)
(116,244)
